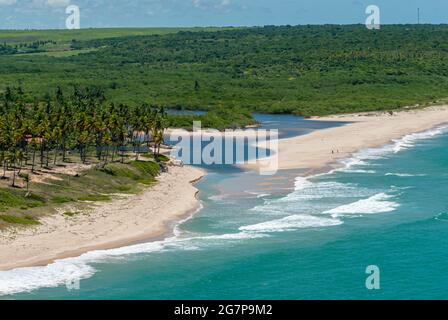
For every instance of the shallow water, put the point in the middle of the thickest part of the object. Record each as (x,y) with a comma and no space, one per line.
(386,207)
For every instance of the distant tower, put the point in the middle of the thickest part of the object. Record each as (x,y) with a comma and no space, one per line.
(418,15)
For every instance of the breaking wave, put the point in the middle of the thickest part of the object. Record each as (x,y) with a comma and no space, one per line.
(64,271)
(378,203)
(291,223)
(362,158)
(405,174)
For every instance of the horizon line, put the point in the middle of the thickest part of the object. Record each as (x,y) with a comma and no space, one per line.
(224,27)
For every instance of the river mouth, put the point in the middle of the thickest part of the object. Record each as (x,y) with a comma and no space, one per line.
(238,182)
(291,235)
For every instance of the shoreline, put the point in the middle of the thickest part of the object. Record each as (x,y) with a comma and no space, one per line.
(322,150)
(174,197)
(106,225)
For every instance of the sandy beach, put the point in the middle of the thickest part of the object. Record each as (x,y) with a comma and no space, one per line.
(127,220)
(323,148)
(146,216)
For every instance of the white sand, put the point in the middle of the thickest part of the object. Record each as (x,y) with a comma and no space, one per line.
(121,222)
(147,216)
(315,150)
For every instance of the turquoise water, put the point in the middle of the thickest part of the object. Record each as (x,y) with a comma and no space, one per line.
(386,207)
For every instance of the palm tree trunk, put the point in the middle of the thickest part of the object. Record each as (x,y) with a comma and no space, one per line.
(99,153)
(26,156)
(63,152)
(34,160)
(41,154)
(47,158)
(138,146)
(55,156)
(4,170)
(14,173)
(106,155)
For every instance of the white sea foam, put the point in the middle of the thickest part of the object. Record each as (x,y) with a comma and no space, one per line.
(176,230)
(290,223)
(410,139)
(308,189)
(378,203)
(357,171)
(302,199)
(258,195)
(323,189)
(53,275)
(405,174)
(218,198)
(442,217)
(234,236)
(362,157)
(66,271)
(301,183)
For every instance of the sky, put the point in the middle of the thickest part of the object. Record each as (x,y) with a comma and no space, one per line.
(50,14)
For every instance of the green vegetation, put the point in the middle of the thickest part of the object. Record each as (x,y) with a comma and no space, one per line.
(61,200)
(65,133)
(63,35)
(305,70)
(138,171)
(219,118)
(48,42)
(96,184)
(158,158)
(25,220)
(60,124)
(15,198)
(79,148)
(70,213)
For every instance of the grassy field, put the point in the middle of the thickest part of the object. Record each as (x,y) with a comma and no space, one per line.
(58,43)
(18,206)
(64,36)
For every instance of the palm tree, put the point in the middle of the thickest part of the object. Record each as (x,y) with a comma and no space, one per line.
(3,159)
(26,178)
(158,140)
(20,155)
(158,128)
(56,137)
(81,122)
(34,145)
(42,130)
(12,160)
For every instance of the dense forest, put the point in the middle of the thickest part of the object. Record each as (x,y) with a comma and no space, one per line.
(43,134)
(305,70)
(84,121)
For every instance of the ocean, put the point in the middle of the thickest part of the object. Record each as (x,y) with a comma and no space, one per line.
(300,238)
